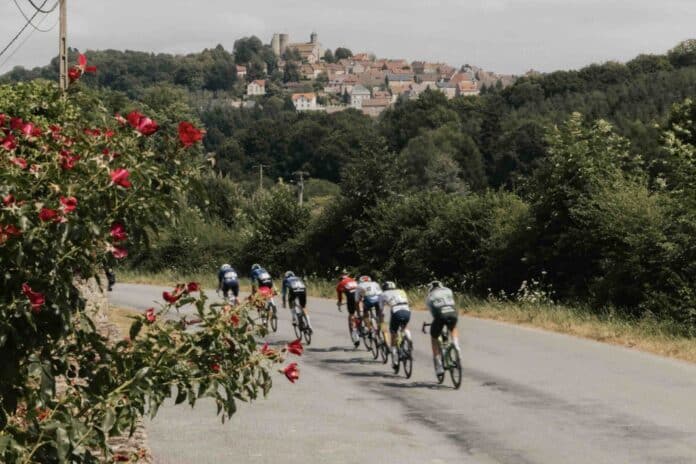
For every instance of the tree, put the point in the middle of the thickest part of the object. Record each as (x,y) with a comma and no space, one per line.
(329,56)
(683,54)
(291,72)
(342,53)
(246,48)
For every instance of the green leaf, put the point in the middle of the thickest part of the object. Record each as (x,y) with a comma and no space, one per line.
(135,329)
(108,420)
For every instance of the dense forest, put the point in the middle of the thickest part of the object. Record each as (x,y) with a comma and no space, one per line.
(582,181)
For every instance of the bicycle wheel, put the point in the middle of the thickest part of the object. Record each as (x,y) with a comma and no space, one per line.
(299,323)
(383,348)
(407,358)
(366,335)
(441,377)
(306,329)
(274,317)
(375,339)
(455,366)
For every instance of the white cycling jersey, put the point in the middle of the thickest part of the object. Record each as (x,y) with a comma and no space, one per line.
(395,300)
(367,290)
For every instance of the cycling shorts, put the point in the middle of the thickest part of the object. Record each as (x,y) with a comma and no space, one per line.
(449,320)
(230,286)
(399,319)
(350,301)
(301,296)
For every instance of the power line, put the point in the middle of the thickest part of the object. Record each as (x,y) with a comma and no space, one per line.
(35,26)
(39,8)
(14,39)
(27,37)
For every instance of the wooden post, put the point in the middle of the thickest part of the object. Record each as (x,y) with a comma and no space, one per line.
(63,46)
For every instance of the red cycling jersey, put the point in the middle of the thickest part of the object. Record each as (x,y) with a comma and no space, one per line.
(347,284)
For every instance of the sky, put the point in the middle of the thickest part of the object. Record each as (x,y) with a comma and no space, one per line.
(505,36)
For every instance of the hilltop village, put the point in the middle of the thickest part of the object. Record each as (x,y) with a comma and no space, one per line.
(323,80)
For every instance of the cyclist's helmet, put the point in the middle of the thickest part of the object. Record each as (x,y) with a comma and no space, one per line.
(226,267)
(343,275)
(289,274)
(365,278)
(434,284)
(388,285)
(255,266)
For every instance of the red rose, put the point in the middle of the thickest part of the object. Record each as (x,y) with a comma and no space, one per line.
(147,126)
(48,214)
(234,319)
(3,119)
(120,119)
(92,132)
(67,160)
(12,230)
(142,123)
(69,204)
(82,64)
(291,372)
(21,162)
(150,315)
(120,177)
(188,134)
(121,458)
(296,347)
(9,143)
(171,298)
(30,130)
(118,232)
(36,299)
(16,123)
(267,351)
(119,253)
(193,287)
(74,74)
(215,367)
(8,199)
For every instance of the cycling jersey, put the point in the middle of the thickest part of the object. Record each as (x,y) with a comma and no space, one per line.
(261,277)
(395,300)
(293,287)
(369,291)
(227,276)
(348,286)
(440,302)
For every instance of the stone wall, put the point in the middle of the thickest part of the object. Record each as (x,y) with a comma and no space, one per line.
(98,308)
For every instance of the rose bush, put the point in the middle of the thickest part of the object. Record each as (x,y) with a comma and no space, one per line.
(79,186)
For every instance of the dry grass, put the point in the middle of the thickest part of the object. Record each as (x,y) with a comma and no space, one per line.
(122,318)
(648,335)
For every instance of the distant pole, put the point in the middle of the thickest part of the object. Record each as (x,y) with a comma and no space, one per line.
(301,175)
(260,166)
(63,46)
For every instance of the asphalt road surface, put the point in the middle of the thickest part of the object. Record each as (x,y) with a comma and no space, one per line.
(527,396)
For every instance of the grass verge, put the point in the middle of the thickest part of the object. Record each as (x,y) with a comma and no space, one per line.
(662,338)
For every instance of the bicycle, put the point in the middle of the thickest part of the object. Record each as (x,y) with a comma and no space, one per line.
(269,313)
(449,354)
(377,337)
(363,332)
(404,351)
(303,328)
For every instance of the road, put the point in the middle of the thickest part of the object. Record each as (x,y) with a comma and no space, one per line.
(528,396)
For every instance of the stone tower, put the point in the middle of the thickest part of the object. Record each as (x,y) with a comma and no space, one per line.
(284,41)
(275,44)
(314,38)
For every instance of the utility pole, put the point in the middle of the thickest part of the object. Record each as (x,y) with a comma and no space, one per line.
(261,166)
(301,175)
(63,46)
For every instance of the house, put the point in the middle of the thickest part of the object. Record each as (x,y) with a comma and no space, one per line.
(423,67)
(399,81)
(361,57)
(241,72)
(310,71)
(305,101)
(416,89)
(372,78)
(375,106)
(257,87)
(357,95)
(449,89)
(427,77)
(467,88)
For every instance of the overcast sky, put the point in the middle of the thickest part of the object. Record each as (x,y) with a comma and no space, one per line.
(506,36)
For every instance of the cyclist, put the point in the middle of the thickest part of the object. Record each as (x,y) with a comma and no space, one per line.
(397,302)
(294,287)
(260,278)
(440,302)
(348,286)
(228,281)
(368,297)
